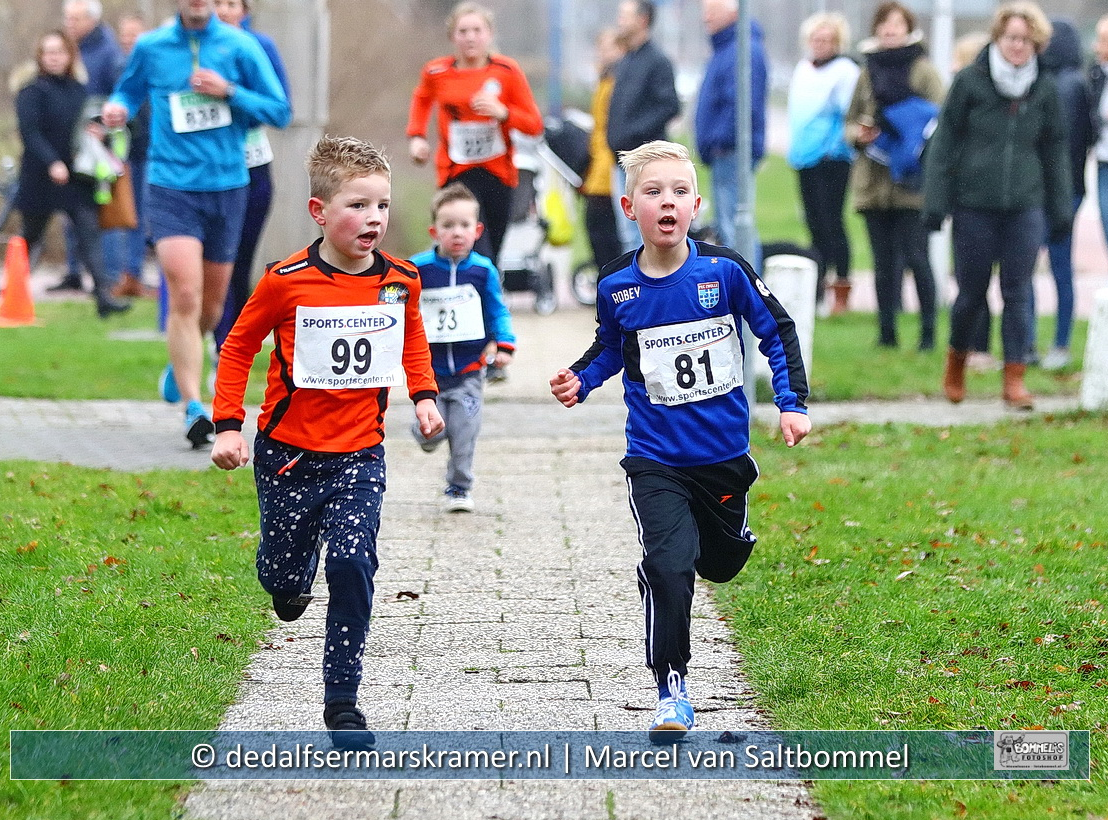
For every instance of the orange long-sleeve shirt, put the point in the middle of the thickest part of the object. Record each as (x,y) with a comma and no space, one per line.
(287,297)
(465,137)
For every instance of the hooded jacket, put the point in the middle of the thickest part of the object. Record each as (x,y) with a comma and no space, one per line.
(1062,60)
(997,154)
(715,106)
(889,76)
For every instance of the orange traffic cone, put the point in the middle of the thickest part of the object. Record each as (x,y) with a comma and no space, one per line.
(16,306)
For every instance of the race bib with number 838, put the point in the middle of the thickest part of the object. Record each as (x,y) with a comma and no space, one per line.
(452,314)
(189,112)
(349,348)
(691,361)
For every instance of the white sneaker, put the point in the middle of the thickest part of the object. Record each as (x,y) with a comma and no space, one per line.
(1056,358)
(458,500)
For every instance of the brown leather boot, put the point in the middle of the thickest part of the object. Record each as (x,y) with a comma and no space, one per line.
(841,290)
(954,378)
(1015,394)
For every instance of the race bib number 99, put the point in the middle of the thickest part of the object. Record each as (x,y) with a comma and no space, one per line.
(349,348)
(691,361)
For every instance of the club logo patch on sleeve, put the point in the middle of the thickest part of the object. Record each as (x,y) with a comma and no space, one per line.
(393,294)
(708,293)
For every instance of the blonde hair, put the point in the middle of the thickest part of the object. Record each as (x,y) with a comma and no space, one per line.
(633,162)
(467,7)
(833,20)
(454,192)
(967,47)
(334,161)
(1038,26)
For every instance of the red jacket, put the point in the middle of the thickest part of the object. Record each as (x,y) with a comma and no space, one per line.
(444,84)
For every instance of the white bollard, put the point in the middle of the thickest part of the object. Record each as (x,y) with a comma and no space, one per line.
(1094,379)
(792,279)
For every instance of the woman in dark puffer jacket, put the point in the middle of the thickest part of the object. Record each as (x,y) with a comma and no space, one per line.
(999,163)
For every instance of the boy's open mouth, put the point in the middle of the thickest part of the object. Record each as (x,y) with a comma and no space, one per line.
(668,221)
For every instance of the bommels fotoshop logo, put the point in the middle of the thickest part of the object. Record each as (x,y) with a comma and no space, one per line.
(1031,750)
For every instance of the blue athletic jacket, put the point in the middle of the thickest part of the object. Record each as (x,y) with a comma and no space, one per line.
(437,271)
(696,312)
(161,64)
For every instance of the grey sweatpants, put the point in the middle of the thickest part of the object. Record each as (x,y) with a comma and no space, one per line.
(459,401)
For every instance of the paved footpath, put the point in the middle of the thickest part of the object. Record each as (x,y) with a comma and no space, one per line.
(527,614)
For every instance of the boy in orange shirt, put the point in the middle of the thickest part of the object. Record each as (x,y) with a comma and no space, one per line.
(346,323)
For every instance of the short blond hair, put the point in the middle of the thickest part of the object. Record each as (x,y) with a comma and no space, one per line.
(1038,26)
(467,7)
(334,161)
(833,20)
(633,162)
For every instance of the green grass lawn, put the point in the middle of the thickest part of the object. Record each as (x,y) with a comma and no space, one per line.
(847,364)
(920,578)
(126,602)
(70,354)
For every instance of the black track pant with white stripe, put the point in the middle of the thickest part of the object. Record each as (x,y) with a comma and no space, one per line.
(691,520)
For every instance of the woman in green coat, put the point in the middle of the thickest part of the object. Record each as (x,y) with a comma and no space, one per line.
(998,163)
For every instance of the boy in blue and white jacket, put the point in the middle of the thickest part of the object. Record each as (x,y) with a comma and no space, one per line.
(467,322)
(670,318)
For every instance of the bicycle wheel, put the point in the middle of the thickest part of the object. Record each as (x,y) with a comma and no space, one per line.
(583,283)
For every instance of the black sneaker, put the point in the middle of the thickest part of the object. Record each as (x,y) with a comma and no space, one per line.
(346,723)
(289,609)
(68,283)
(199,429)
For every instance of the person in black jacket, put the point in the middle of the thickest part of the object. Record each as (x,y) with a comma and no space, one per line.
(1098,106)
(644,99)
(49,110)
(999,163)
(1062,61)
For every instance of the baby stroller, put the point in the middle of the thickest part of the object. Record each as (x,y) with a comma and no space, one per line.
(525,260)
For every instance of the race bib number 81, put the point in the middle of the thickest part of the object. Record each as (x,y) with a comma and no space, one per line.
(349,348)
(691,361)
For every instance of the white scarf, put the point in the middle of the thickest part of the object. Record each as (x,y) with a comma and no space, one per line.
(1011,81)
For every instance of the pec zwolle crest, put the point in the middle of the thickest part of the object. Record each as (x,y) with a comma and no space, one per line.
(708,292)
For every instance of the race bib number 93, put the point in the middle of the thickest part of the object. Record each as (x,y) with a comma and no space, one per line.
(691,361)
(349,348)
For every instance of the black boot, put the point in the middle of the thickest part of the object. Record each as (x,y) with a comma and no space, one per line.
(70,282)
(106,304)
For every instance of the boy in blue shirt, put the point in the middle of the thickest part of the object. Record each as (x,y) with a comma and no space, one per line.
(467,322)
(670,317)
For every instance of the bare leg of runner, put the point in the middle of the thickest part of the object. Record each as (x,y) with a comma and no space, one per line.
(197,289)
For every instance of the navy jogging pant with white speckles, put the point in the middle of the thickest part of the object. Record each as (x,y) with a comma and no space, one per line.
(327,503)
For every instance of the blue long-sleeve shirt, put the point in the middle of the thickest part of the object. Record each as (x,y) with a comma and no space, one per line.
(435,271)
(161,64)
(677,340)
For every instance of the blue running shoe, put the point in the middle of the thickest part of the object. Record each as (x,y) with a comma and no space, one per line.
(167,385)
(198,427)
(674,716)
